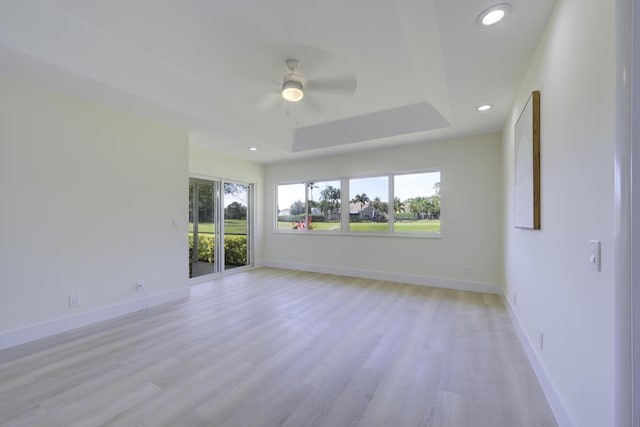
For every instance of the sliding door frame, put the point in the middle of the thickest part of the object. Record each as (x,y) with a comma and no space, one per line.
(219,257)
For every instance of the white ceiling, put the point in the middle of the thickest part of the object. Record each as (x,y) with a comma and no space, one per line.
(214,67)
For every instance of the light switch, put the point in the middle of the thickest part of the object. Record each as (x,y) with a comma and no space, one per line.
(594,254)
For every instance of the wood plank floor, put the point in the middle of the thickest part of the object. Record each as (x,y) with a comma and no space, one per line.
(273,347)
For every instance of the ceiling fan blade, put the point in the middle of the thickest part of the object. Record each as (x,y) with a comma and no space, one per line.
(268,101)
(250,76)
(308,57)
(345,85)
(312,104)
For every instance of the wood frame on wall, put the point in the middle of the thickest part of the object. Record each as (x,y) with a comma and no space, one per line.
(527,165)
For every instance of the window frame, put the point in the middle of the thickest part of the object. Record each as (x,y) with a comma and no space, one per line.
(276,211)
(389,193)
(345,202)
(305,184)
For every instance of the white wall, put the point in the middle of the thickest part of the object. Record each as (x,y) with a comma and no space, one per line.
(557,292)
(204,162)
(87,198)
(471,217)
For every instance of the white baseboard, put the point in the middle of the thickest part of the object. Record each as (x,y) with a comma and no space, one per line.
(558,407)
(45,329)
(438,282)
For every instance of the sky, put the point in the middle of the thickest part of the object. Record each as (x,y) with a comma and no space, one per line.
(230,198)
(240,196)
(405,187)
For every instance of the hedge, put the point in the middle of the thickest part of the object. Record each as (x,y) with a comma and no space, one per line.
(235,248)
(405,216)
(290,218)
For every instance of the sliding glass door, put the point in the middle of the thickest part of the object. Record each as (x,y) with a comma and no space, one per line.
(219,226)
(236,225)
(202,227)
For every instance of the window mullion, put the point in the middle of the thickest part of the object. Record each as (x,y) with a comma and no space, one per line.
(344,205)
(307,206)
(219,226)
(391,214)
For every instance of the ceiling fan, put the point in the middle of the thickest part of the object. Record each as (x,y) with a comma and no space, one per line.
(295,84)
(267,76)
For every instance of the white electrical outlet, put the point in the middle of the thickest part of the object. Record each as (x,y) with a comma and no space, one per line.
(467,271)
(74,300)
(139,286)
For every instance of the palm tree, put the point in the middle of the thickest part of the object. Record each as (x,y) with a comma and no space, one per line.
(325,207)
(376,203)
(325,197)
(398,206)
(334,196)
(417,205)
(326,192)
(311,186)
(330,197)
(363,199)
(433,207)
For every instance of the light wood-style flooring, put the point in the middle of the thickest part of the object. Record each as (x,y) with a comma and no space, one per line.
(273,347)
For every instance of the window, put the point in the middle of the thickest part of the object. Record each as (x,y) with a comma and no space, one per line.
(313,205)
(417,202)
(291,206)
(393,204)
(369,204)
(324,205)
(236,225)
(203,205)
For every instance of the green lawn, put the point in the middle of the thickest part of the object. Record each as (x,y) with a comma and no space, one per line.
(326,226)
(231,226)
(369,226)
(421,226)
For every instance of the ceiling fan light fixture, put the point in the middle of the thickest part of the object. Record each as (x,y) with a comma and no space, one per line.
(292,91)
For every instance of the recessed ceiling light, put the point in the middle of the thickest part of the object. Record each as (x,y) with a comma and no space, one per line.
(493,15)
(485,107)
(253,148)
